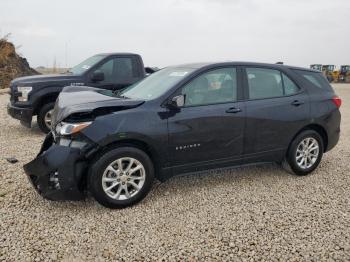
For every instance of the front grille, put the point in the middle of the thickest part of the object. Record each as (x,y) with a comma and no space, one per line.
(13,91)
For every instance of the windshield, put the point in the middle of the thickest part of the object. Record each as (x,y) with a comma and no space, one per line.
(86,64)
(156,84)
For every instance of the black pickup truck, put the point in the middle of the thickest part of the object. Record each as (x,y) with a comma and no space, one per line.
(36,95)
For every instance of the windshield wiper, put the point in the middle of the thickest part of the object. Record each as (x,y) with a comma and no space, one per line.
(118,94)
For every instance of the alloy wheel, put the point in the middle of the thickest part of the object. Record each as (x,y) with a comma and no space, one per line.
(48,118)
(123,178)
(307,152)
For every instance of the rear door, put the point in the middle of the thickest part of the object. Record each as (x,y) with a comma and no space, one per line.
(276,109)
(209,130)
(119,72)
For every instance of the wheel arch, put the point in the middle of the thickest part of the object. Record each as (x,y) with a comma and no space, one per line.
(137,143)
(315,127)
(45,99)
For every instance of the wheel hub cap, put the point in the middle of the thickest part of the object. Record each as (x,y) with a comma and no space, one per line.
(47,118)
(307,152)
(123,178)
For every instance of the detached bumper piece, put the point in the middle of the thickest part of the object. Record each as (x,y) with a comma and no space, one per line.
(57,171)
(21,113)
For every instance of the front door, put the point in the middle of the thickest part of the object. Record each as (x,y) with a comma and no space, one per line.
(209,130)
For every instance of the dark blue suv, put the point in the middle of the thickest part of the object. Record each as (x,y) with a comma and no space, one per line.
(184,119)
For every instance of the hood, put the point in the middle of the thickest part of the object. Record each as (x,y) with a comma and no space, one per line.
(37,79)
(88,100)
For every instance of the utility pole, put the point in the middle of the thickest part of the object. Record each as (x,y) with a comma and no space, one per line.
(66,54)
(54,65)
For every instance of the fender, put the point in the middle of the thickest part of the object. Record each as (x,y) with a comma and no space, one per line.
(38,98)
(131,125)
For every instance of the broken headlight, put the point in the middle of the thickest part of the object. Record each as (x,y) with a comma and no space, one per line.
(65,129)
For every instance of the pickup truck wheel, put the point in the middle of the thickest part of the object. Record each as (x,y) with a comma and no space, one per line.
(121,177)
(44,117)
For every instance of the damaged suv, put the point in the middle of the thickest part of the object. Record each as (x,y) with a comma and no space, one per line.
(184,119)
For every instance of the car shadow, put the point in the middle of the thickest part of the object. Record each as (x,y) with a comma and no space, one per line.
(241,176)
(235,175)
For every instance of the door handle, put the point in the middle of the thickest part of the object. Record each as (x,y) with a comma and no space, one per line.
(297,103)
(233,110)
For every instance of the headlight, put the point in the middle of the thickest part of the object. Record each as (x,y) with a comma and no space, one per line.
(24,90)
(65,129)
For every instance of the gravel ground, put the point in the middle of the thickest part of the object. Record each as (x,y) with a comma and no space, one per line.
(249,213)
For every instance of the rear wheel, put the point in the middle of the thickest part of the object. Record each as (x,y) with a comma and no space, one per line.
(121,177)
(305,153)
(45,117)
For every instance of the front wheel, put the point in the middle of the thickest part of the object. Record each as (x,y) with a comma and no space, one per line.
(121,177)
(45,117)
(304,153)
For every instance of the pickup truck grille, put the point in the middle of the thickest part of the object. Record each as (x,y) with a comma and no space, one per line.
(13,91)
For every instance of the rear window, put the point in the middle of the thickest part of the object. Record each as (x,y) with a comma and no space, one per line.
(315,78)
(269,83)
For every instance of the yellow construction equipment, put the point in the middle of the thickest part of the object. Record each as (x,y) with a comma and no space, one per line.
(330,72)
(317,67)
(344,74)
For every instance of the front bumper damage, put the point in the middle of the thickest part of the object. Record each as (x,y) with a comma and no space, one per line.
(57,172)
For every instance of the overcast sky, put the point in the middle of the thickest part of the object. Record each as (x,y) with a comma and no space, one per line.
(167,32)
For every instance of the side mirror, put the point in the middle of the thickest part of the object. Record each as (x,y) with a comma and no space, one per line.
(177,101)
(98,76)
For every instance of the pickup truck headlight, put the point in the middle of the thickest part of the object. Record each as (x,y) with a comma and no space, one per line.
(24,90)
(65,129)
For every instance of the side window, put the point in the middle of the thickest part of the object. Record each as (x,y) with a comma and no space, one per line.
(289,87)
(264,83)
(123,68)
(315,78)
(118,70)
(216,86)
(107,69)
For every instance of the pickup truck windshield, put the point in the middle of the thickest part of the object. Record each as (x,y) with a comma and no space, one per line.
(86,64)
(156,84)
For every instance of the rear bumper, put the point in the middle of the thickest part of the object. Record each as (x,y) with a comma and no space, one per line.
(333,129)
(21,113)
(56,173)
(333,140)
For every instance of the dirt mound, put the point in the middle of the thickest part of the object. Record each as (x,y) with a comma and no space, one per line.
(11,64)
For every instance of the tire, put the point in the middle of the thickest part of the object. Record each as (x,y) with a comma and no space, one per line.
(45,109)
(120,181)
(294,160)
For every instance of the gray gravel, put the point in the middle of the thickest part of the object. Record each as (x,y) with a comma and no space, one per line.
(249,213)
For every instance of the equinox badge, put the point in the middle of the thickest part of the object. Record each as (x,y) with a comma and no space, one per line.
(187,146)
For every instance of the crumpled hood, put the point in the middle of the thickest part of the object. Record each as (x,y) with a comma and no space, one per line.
(85,99)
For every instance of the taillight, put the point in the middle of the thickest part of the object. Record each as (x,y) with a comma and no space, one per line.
(337,101)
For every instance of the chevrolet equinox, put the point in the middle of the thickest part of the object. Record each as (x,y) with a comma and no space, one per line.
(183,119)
